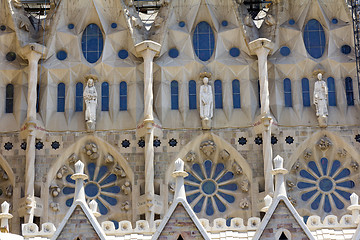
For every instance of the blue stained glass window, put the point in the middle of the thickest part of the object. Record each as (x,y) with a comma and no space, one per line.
(345,49)
(331,91)
(61,55)
(105,96)
(285,51)
(224,23)
(305,92)
(234,52)
(203,41)
(114,25)
(218,94)
(92,43)
(291,21)
(9,101)
(192,94)
(123,96)
(173,53)
(334,21)
(79,97)
(61,97)
(71,26)
(236,93)
(314,38)
(181,24)
(174,95)
(349,91)
(123,54)
(287,92)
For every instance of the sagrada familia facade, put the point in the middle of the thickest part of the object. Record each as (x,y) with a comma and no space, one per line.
(197,120)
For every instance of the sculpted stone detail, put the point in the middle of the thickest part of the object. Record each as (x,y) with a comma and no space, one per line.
(324,143)
(126,188)
(244,203)
(191,156)
(119,171)
(237,169)
(91,150)
(296,166)
(54,189)
(55,206)
(3,174)
(172,187)
(208,147)
(292,201)
(206,100)
(290,185)
(125,206)
(109,158)
(90,98)
(64,169)
(73,158)
(307,154)
(9,191)
(342,153)
(224,155)
(354,165)
(245,185)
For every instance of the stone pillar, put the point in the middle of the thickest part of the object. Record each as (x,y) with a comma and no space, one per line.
(148,50)
(262,47)
(354,207)
(79,178)
(179,174)
(279,172)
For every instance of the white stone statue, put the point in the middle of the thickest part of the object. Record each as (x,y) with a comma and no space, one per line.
(321,97)
(90,98)
(206,100)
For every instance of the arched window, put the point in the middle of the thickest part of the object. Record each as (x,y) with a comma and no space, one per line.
(331,91)
(123,96)
(287,92)
(79,97)
(236,93)
(349,91)
(37,98)
(9,102)
(259,89)
(305,92)
(92,43)
(203,41)
(283,236)
(174,95)
(218,94)
(192,94)
(314,38)
(105,96)
(61,97)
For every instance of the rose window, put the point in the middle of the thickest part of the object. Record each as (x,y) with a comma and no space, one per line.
(327,185)
(210,187)
(101,186)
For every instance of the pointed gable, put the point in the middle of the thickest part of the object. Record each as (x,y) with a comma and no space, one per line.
(282,217)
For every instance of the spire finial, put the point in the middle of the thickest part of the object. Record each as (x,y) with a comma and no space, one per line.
(5,216)
(179,174)
(79,178)
(279,172)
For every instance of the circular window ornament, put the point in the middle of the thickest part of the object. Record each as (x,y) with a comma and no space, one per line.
(2,27)
(291,21)
(234,52)
(123,54)
(224,23)
(173,53)
(61,55)
(182,24)
(11,56)
(285,51)
(114,25)
(345,49)
(71,26)
(334,21)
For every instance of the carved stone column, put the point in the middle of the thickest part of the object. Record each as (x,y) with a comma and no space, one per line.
(261,48)
(148,50)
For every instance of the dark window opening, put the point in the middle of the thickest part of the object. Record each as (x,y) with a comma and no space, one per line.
(9,101)
(180,238)
(283,237)
(255,6)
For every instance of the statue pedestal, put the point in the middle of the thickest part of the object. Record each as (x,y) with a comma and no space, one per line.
(322,121)
(90,126)
(206,123)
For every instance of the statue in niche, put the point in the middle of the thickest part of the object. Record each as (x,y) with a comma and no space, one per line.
(320,100)
(90,98)
(206,102)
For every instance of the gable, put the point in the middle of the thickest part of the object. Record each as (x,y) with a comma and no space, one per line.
(282,218)
(180,223)
(78,225)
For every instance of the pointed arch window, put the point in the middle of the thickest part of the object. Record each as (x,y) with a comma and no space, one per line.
(92,43)
(287,92)
(331,91)
(79,97)
(203,41)
(9,101)
(174,95)
(192,94)
(123,96)
(61,97)
(105,96)
(37,97)
(236,93)
(349,91)
(218,94)
(305,92)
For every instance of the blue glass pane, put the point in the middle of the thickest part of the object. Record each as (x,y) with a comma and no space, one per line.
(230,187)
(10,56)
(61,55)
(218,94)
(315,204)
(234,52)
(123,54)
(123,96)
(208,187)
(334,21)
(326,184)
(346,184)
(91,171)
(324,165)
(344,194)
(349,91)
(221,207)
(236,93)
(197,169)
(327,206)
(224,23)
(103,210)
(190,188)
(287,92)
(174,95)
(285,51)
(9,98)
(203,41)
(291,21)
(308,195)
(79,97)
(339,204)
(92,42)
(69,202)
(331,91)
(103,170)
(192,94)
(69,179)
(191,178)
(303,185)
(314,38)
(227,176)
(181,24)
(344,173)
(71,26)
(109,179)
(227,197)
(208,167)
(61,97)
(307,175)
(105,96)
(199,204)
(68,190)
(112,201)
(345,49)
(335,166)
(219,168)
(173,53)
(114,25)
(192,197)
(305,92)
(112,189)
(116,224)
(91,189)
(312,165)
(209,207)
